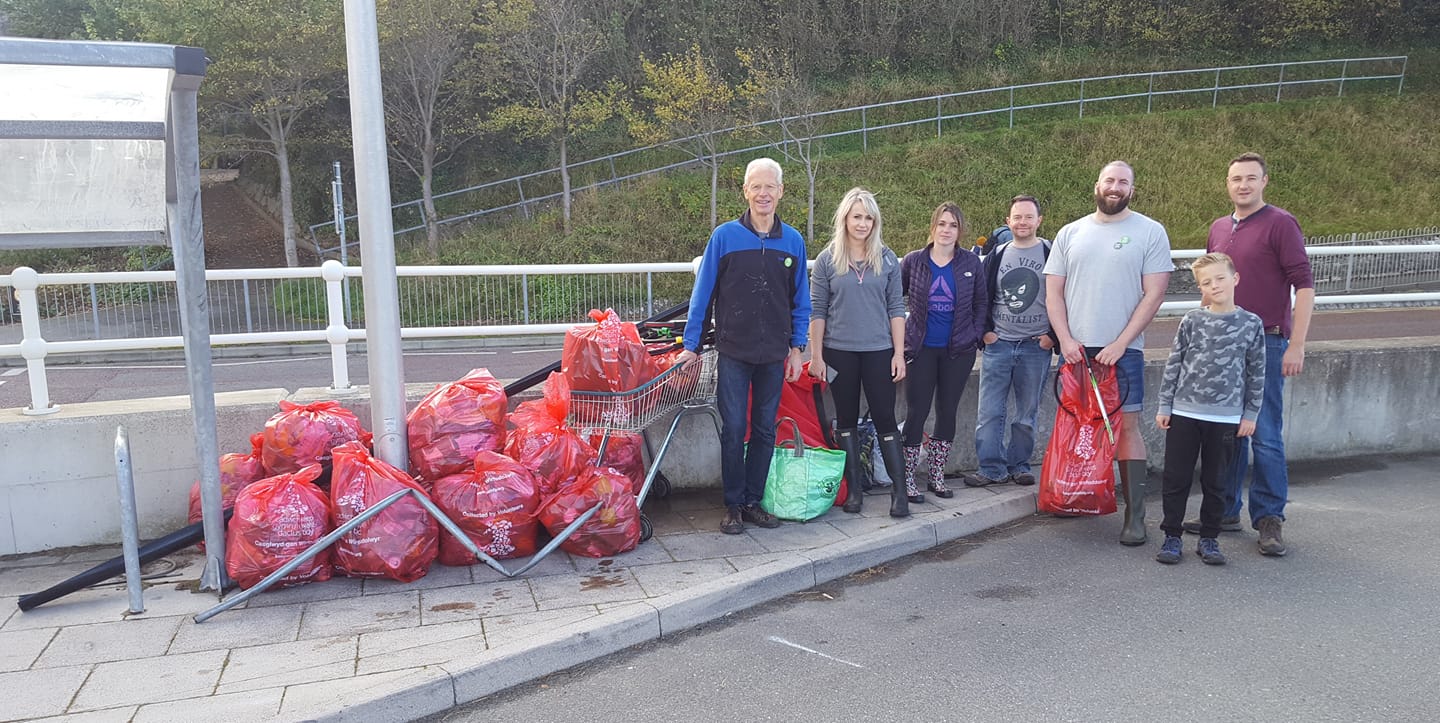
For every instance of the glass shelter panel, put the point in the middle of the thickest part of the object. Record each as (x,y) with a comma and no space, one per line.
(55,186)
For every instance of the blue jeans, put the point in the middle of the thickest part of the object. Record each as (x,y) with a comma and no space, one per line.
(1009,368)
(741,387)
(1271,484)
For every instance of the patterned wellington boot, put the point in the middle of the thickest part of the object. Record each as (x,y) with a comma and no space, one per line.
(912,463)
(938,453)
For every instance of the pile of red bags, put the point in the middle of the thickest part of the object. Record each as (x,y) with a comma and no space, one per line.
(401,541)
(614,529)
(275,520)
(495,504)
(606,357)
(454,423)
(303,434)
(542,441)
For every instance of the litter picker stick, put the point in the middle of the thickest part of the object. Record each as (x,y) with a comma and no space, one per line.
(1095,386)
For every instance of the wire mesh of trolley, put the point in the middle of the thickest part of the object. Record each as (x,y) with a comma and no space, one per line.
(681,391)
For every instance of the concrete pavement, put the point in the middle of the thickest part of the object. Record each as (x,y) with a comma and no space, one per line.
(377,650)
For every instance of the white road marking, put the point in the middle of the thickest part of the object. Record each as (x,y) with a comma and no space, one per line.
(13,372)
(783,641)
(2,381)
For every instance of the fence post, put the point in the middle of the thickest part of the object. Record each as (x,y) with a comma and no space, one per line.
(1012,106)
(1344,68)
(649,294)
(1215,99)
(525,296)
(938,113)
(1082,98)
(1280,85)
(1150,95)
(613,175)
(94,310)
(864,133)
(1349,271)
(32,345)
(1403,65)
(524,206)
(335,333)
(245,291)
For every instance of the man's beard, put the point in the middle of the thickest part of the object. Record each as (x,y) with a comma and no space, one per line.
(1111,207)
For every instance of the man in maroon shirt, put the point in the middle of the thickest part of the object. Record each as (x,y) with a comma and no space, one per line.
(1269,253)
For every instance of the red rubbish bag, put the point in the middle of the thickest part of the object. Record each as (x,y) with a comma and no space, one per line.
(607,356)
(303,434)
(615,527)
(275,520)
(626,453)
(454,423)
(400,542)
(542,441)
(237,471)
(1078,476)
(495,504)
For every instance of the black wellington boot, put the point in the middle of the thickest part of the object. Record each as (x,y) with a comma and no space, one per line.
(894,454)
(848,442)
(1132,489)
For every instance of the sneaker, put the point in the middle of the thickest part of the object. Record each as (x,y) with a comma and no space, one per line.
(1170,551)
(1024,479)
(1227,524)
(980,480)
(732,525)
(1271,543)
(1209,551)
(757,516)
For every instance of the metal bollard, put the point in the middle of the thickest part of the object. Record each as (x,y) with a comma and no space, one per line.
(129,523)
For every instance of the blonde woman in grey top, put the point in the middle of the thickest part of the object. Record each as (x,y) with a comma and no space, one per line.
(857,322)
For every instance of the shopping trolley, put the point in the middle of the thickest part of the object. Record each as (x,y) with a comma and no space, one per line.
(681,390)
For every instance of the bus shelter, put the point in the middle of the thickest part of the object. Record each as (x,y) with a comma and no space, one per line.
(100,143)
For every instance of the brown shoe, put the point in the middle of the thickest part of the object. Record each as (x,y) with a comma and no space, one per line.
(755,515)
(732,525)
(1271,544)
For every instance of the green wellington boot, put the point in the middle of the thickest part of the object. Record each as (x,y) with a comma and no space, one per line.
(896,464)
(1132,490)
(848,442)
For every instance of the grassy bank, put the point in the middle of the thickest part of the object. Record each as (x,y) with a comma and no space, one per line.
(1358,163)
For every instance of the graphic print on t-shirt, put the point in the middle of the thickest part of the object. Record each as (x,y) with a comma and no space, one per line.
(1019,289)
(942,297)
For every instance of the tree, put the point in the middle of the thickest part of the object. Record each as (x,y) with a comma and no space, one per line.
(548,47)
(689,105)
(780,93)
(430,87)
(274,63)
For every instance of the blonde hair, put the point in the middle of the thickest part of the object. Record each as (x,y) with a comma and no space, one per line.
(1208,260)
(838,248)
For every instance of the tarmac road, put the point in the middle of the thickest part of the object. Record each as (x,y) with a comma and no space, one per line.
(1052,620)
(70,384)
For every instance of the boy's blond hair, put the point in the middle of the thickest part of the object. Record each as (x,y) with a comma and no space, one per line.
(1210,260)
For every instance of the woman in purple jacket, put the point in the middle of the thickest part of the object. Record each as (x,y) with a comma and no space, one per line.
(946,295)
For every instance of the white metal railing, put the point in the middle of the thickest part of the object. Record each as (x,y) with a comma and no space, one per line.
(1239,83)
(335,323)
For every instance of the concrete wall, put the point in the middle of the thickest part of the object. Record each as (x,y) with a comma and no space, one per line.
(58,486)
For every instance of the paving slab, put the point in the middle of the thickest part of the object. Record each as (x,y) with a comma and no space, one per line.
(151,680)
(658,580)
(361,615)
(799,536)
(105,642)
(336,588)
(36,693)
(19,649)
(508,629)
(473,602)
(256,705)
(397,695)
(79,608)
(20,580)
(239,628)
(398,649)
(281,664)
(744,562)
(438,576)
(709,545)
(857,553)
(649,552)
(122,714)
(571,590)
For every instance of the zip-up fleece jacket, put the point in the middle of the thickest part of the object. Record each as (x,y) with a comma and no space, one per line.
(756,288)
(972,305)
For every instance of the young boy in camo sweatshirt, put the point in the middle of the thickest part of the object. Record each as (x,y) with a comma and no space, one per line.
(1211,393)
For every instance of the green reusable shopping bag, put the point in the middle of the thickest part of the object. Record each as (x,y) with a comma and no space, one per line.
(803,481)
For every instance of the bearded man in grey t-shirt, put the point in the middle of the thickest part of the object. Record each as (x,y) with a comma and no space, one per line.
(1104,281)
